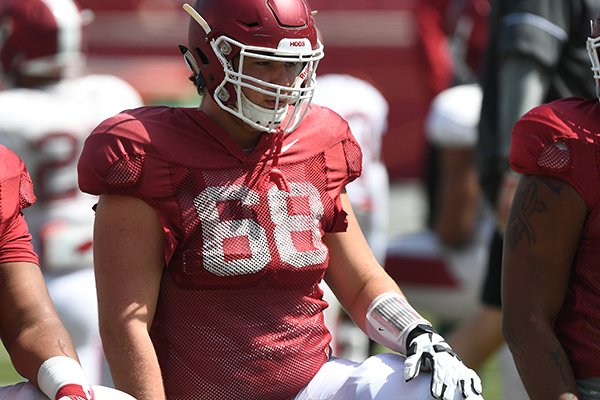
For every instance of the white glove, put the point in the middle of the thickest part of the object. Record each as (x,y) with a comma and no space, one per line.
(428,351)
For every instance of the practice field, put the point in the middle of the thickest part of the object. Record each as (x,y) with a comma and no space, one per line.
(8,374)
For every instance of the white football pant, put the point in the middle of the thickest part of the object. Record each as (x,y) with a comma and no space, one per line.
(380,377)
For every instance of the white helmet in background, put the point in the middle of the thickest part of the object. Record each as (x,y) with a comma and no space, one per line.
(453,116)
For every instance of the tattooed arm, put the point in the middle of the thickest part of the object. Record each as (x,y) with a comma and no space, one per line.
(541,241)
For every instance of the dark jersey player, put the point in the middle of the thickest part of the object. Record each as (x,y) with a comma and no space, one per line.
(551,281)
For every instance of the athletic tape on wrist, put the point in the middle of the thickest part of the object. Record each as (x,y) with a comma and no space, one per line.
(390,318)
(57,372)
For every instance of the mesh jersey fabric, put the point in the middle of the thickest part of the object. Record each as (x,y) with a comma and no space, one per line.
(239,307)
(16,193)
(562,140)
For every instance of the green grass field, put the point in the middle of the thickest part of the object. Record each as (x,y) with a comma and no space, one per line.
(8,374)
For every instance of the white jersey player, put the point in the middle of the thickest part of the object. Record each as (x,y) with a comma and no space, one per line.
(441,269)
(45,114)
(366,111)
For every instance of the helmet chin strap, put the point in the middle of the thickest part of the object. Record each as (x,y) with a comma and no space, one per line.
(275,175)
(260,115)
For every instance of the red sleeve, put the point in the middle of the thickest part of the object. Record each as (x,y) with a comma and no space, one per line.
(345,165)
(15,244)
(16,193)
(546,142)
(115,160)
(111,160)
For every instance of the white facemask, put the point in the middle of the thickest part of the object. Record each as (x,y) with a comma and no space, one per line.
(260,115)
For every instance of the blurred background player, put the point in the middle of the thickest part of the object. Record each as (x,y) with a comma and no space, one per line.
(441,264)
(366,111)
(46,110)
(442,267)
(38,344)
(551,280)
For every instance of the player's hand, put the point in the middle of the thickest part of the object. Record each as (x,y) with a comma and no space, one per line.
(75,392)
(428,351)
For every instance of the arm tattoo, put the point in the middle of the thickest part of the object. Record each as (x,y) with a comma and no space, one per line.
(526,204)
(551,184)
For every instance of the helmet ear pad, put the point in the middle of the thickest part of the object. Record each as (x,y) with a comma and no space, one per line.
(203,59)
(197,78)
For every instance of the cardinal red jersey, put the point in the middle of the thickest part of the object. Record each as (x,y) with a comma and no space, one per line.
(16,193)
(562,140)
(240,310)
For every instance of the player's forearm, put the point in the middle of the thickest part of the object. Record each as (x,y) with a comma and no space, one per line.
(30,327)
(357,304)
(458,207)
(38,342)
(133,364)
(542,363)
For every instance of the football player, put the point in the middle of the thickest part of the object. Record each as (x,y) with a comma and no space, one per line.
(37,342)
(551,281)
(366,111)
(48,109)
(216,224)
(536,54)
(441,269)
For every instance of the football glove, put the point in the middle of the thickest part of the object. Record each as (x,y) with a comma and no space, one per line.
(428,351)
(75,392)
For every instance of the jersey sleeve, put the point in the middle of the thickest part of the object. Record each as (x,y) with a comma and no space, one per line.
(16,193)
(344,162)
(15,245)
(112,158)
(546,143)
(117,159)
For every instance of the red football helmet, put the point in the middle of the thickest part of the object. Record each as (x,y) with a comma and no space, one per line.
(40,37)
(593,43)
(223,32)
